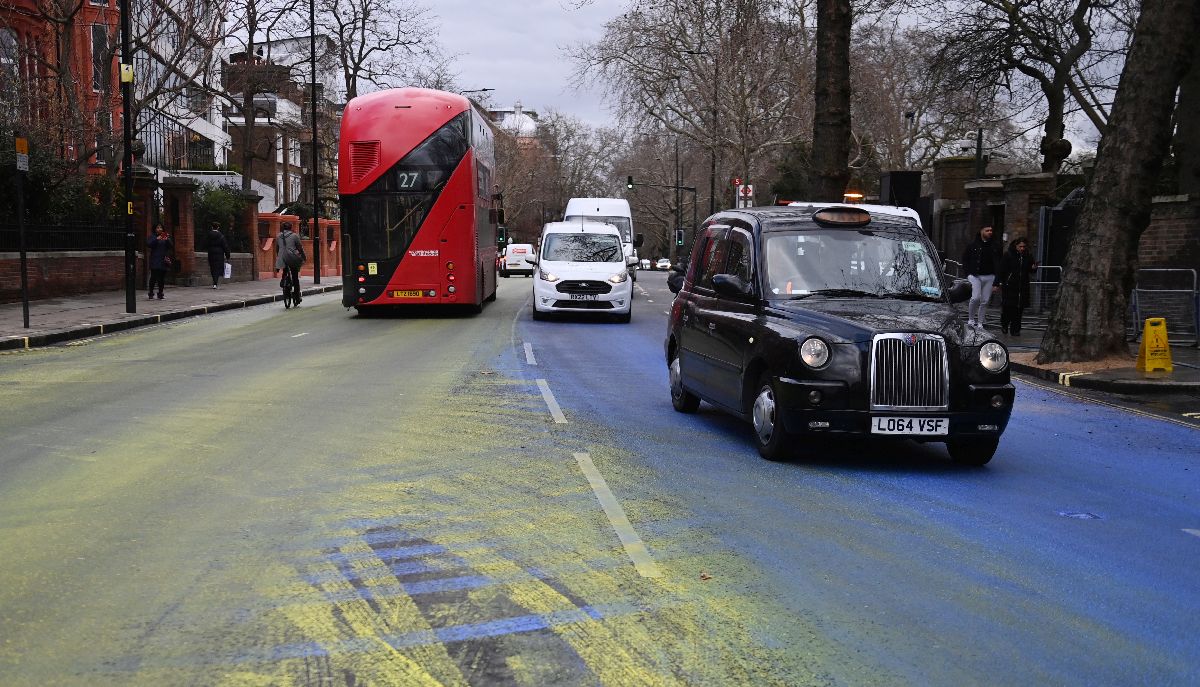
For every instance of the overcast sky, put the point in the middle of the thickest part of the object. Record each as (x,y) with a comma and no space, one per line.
(516,47)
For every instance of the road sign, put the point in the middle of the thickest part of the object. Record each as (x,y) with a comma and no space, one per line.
(22,162)
(746,191)
(737,181)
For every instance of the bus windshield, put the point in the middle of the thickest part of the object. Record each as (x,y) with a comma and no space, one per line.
(388,214)
(581,248)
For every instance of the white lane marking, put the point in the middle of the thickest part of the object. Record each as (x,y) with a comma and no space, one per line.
(649,301)
(555,411)
(529,354)
(643,562)
(1194,533)
(297,336)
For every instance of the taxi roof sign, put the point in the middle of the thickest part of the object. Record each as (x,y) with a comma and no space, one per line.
(842,216)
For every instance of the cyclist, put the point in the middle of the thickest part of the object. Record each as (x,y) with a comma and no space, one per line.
(289,255)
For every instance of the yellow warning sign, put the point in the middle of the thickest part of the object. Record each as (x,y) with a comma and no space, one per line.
(1155,353)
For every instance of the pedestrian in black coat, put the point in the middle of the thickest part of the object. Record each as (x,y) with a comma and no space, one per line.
(1015,271)
(218,253)
(160,249)
(980,261)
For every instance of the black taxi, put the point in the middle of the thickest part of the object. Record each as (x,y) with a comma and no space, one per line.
(824,319)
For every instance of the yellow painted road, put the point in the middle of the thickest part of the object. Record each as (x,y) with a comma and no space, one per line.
(312,498)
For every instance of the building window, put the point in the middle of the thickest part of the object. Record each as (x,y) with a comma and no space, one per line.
(100,58)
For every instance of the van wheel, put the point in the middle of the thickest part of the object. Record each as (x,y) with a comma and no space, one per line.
(538,314)
(504,273)
(681,399)
(770,436)
(624,318)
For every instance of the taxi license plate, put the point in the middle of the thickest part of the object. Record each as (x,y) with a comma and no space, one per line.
(584,296)
(910,425)
(407,294)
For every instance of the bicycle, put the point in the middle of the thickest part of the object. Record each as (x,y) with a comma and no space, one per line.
(285,283)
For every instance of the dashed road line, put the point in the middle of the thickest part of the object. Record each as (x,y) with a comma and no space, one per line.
(555,411)
(1194,533)
(297,336)
(643,562)
(529,354)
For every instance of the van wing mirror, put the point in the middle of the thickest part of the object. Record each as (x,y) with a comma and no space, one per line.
(638,240)
(675,281)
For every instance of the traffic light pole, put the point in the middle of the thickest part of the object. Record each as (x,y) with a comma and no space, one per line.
(679,232)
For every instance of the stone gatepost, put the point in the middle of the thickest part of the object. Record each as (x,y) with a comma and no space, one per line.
(1024,197)
(178,194)
(249,225)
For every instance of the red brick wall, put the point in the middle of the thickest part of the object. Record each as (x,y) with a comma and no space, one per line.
(62,274)
(1173,237)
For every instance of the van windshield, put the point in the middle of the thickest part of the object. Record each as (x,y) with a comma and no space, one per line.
(623,224)
(581,248)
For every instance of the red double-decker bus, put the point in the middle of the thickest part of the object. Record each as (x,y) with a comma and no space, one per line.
(419,214)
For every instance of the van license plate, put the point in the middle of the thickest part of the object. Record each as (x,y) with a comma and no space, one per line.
(407,294)
(584,296)
(910,425)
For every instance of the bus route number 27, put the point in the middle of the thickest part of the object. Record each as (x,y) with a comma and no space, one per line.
(408,180)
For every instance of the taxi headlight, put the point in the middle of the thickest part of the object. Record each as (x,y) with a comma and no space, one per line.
(993,357)
(814,352)
(619,277)
(548,276)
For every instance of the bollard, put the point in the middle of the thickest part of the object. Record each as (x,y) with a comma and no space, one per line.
(1154,353)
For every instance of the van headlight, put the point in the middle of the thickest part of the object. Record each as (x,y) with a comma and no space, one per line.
(619,277)
(993,357)
(814,352)
(547,276)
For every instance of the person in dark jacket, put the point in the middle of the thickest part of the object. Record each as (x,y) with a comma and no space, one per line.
(160,249)
(218,253)
(289,255)
(980,261)
(1015,269)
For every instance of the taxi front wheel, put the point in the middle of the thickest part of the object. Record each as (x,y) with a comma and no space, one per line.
(769,434)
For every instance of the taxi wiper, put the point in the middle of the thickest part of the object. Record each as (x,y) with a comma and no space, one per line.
(845,292)
(914,297)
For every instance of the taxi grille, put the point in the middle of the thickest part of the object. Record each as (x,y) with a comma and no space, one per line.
(909,372)
(584,286)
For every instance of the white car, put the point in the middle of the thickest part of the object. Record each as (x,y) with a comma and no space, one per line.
(513,261)
(645,264)
(582,268)
(663,264)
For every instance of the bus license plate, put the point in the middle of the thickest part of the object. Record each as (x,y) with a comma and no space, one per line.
(584,296)
(910,425)
(407,294)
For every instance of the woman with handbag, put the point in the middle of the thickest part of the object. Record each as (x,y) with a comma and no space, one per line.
(160,249)
(218,253)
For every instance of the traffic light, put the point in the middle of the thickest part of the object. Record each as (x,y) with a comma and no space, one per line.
(678,237)
(628,182)
(501,235)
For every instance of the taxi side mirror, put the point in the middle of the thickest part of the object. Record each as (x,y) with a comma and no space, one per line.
(960,291)
(731,286)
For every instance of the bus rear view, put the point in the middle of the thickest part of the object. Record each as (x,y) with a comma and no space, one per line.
(415,182)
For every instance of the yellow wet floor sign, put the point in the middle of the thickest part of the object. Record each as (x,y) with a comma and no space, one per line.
(1154,353)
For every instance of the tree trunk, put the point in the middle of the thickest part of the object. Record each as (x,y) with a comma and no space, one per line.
(831,120)
(1089,319)
(1186,145)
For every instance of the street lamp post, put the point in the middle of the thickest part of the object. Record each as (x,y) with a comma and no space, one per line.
(127,162)
(316,205)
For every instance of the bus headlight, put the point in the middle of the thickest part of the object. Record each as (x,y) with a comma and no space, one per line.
(814,352)
(619,278)
(546,276)
(993,357)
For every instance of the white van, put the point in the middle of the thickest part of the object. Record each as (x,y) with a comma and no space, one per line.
(614,211)
(582,268)
(513,261)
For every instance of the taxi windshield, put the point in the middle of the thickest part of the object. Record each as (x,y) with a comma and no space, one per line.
(863,263)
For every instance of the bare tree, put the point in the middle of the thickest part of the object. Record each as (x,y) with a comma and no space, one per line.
(729,75)
(1065,51)
(1089,318)
(380,43)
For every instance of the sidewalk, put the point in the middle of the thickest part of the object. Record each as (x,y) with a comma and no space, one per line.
(1122,379)
(76,317)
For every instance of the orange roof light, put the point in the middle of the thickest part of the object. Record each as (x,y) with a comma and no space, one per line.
(842,216)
